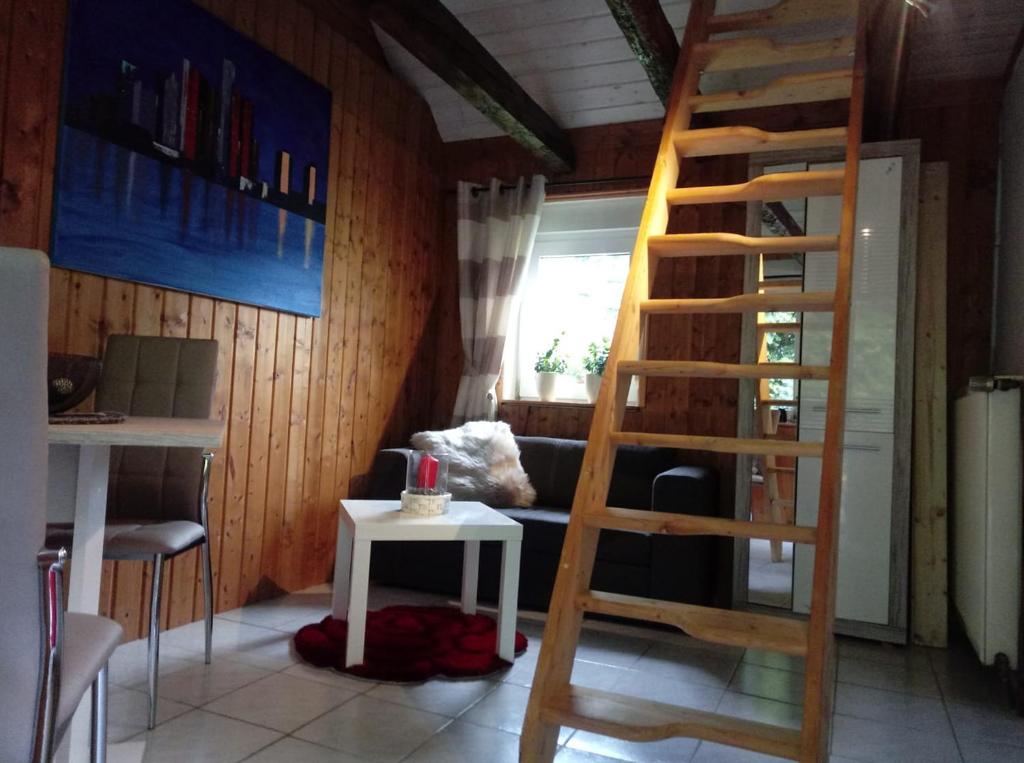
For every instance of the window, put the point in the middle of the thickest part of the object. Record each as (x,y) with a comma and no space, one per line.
(572,290)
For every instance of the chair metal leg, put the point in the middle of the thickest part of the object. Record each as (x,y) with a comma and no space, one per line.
(98,747)
(208,597)
(154,636)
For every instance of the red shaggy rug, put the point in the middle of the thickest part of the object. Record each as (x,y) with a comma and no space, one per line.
(408,644)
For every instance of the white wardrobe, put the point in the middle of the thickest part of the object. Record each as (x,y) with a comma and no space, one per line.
(874,514)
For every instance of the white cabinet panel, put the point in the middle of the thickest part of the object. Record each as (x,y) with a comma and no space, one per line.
(865,526)
(872,370)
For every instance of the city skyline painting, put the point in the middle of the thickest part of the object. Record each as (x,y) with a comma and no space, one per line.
(190,157)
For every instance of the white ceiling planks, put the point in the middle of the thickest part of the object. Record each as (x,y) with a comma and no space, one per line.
(569,55)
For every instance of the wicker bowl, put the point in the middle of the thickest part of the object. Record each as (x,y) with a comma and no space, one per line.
(70,379)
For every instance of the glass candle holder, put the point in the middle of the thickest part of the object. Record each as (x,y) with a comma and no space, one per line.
(427,473)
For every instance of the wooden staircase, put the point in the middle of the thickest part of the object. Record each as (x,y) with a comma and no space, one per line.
(554,700)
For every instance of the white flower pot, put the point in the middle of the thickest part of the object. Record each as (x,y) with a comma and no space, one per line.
(546,385)
(593,386)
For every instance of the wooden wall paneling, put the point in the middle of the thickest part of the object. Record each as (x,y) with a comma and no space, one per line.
(224,317)
(187,586)
(6,24)
(288,572)
(244,13)
(237,452)
(352,414)
(57,326)
(960,126)
(277,457)
(55,22)
(259,448)
(24,126)
(279,496)
(178,579)
(85,314)
(332,446)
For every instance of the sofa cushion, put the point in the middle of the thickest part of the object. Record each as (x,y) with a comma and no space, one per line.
(554,467)
(544,532)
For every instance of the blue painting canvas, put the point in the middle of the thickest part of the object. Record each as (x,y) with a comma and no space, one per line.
(190,157)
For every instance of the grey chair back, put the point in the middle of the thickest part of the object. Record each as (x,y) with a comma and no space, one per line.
(24,301)
(156,376)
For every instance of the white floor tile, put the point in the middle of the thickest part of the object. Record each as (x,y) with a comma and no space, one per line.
(280,702)
(329,677)
(128,712)
(769,683)
(373,729)
(761,710)
(908,710)
(450,698)
(879,675)
(198,684)
(986,751)
(569,755)
(689,665)
(609,648)
(466,742)
(291,750)
(996,724)
(201,737)
(504,709)
(708,752)
(129,665)
(884,743)
(669,689)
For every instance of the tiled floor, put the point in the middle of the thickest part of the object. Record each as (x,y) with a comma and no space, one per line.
(258,703)
(770,583)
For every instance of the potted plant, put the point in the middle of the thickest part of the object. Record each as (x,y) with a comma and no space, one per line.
(548,366)
(594,362)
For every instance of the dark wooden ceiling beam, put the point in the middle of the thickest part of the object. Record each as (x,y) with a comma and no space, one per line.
(431,32)
(651,37)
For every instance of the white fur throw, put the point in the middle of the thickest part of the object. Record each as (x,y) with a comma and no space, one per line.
(483,463)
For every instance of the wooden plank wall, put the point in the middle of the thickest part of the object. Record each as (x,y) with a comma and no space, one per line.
(308,402)
(958,123)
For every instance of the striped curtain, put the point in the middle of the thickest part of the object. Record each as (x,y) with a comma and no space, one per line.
(497,228)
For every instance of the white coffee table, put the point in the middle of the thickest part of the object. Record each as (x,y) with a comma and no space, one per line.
(362,522)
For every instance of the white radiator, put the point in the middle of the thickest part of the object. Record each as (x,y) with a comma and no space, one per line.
(987,519)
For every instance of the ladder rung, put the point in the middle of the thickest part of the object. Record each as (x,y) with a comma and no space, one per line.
(718,141)
(777,401)
(666,523)
(719,626)
(781,469)
(784,13)
(780,283)
(747,446)
(793,88)
(641,720)
(711,244)
(709,370)
(786,328)
(755,52)
(786,503)
(771,187)
(794,302)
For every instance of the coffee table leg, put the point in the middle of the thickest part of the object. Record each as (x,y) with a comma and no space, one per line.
(508,599)
(470,575)
(342,572)
(358,591)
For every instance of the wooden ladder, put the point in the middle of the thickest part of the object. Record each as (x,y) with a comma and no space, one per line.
(554,700)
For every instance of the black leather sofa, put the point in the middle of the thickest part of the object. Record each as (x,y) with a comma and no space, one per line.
(659,566)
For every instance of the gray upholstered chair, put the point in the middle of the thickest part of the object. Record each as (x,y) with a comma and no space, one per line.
(47,662)
(156,505)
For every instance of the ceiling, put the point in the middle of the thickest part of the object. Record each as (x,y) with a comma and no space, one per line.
(573,60)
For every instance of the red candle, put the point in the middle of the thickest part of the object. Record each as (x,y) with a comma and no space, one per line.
(427,477)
